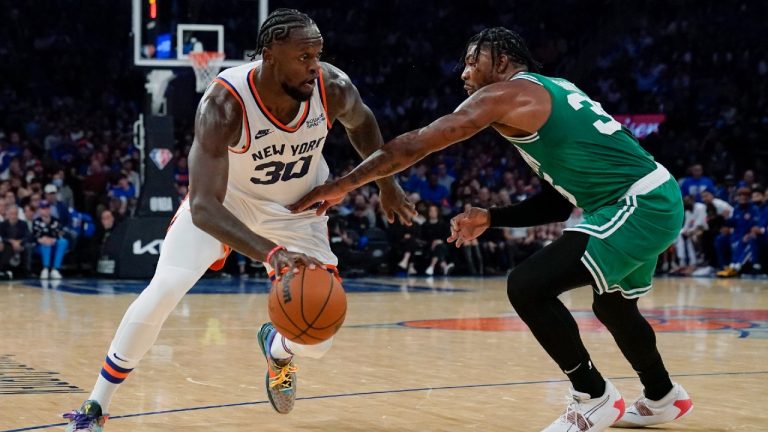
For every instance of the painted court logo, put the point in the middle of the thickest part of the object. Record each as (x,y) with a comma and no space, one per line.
(160,157)
(741,322)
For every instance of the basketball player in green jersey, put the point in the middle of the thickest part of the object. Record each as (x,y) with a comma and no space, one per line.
(633,211)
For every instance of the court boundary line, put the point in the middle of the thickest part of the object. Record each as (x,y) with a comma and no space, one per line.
(381,392)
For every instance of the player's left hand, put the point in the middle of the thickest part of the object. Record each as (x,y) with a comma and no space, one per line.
(469,225)
(328,195)
(394,201)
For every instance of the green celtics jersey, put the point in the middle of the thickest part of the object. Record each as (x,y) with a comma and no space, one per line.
(589,157)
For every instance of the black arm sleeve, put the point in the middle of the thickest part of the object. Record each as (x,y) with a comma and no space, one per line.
(545,207)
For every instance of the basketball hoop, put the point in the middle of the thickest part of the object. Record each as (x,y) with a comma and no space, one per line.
(206,65)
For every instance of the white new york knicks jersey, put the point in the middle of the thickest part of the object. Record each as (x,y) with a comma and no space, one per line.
(275,162)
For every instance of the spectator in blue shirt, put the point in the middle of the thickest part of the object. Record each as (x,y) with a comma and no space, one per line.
(124,190)
(443,177)
(758,199)
(59,210)
(739,239)
(416,181)
(760,231)
(434,192)
(748,180)
(696,183)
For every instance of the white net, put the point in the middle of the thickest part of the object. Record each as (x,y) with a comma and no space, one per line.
(206,65)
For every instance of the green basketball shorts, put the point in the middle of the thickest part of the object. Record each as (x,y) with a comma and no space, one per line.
(627,237)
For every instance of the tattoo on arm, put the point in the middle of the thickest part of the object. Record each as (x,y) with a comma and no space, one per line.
(409,148)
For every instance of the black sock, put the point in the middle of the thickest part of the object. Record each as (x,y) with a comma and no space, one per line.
(586,379)
(656,381)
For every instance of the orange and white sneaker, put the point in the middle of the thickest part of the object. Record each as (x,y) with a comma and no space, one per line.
(646,412)
(585,414)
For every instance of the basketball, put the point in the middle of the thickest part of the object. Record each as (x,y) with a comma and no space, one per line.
(307,307)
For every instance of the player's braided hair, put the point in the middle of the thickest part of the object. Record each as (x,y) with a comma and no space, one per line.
(279,24)
(503,41)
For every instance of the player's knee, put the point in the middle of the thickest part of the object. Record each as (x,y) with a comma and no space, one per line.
(519,288)
(612,309)
(601,312)
(170,285)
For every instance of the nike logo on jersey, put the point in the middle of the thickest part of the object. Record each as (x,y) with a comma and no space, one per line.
(262,133)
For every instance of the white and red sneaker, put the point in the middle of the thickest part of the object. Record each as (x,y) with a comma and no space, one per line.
(585,414)
(646,412)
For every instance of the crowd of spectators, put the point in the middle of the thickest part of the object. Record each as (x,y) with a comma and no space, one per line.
(69,171)
(725,227)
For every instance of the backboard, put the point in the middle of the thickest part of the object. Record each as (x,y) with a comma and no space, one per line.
(165,31)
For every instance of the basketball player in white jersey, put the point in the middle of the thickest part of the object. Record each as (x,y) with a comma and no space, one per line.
(259,135)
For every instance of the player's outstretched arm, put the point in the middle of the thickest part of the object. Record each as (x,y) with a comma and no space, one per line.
(346,105)
(474,115)
(217,127)
(518,105)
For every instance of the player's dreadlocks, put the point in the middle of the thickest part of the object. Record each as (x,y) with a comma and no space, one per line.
(279,24)
(503,41)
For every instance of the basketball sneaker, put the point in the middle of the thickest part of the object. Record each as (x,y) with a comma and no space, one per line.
(585,414)
(281,374)
(88,418)
(646,412)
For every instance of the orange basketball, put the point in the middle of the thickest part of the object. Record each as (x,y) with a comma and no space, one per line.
(307,307)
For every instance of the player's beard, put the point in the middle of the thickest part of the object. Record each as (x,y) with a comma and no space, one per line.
(295,93)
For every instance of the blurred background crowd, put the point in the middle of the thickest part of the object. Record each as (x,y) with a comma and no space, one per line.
(69,97)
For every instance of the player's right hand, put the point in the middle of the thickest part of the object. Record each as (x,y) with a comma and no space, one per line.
(469,225)
(327,195)
(284,262)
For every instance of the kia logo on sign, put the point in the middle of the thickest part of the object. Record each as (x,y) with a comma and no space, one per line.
(160,157)
(152,248)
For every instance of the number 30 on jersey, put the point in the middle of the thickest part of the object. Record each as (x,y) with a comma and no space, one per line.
(271,172)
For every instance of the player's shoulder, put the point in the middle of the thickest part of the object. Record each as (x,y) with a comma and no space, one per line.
(511,90)
(332,73)
(239,70)
(220,102)
(335,80)
(530,77)
(219,97)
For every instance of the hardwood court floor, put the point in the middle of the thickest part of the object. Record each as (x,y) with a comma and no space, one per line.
(414,355)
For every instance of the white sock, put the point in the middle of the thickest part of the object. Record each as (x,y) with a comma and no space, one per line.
(278,350)
(114,371)
(283,348)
